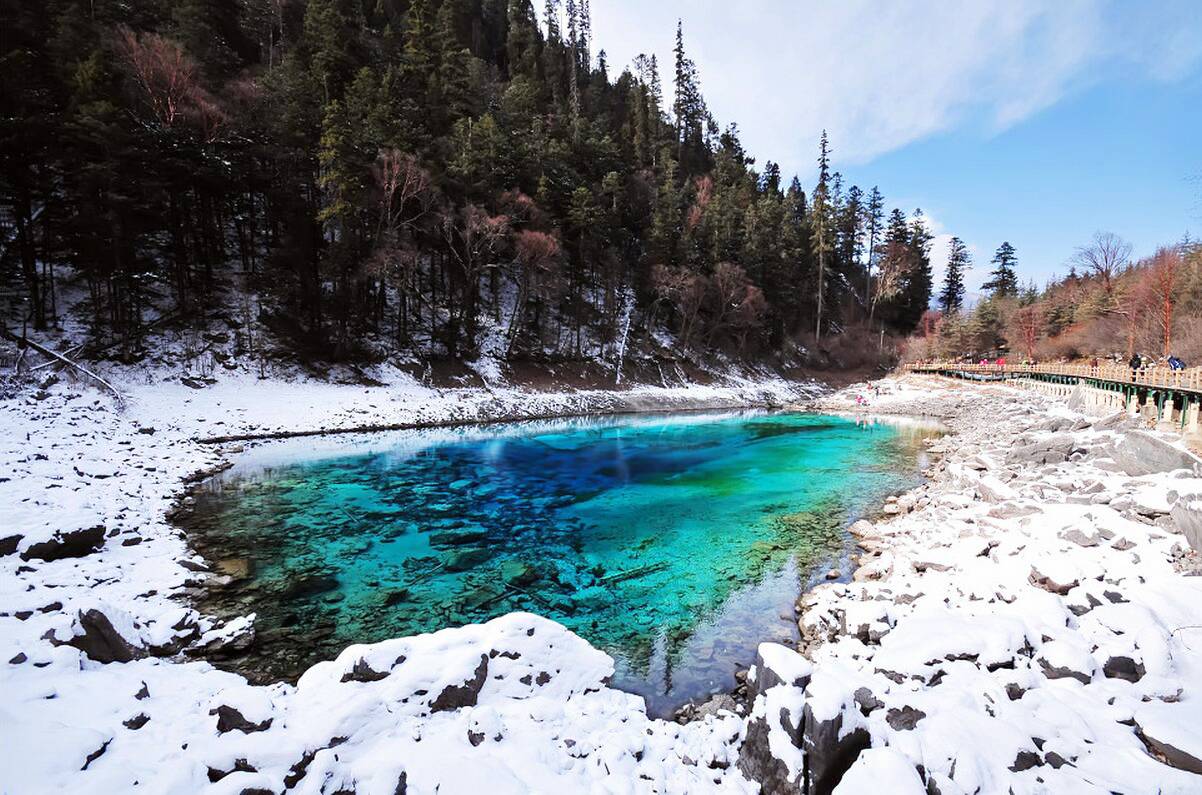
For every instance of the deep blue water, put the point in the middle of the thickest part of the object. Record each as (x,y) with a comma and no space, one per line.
(674,543)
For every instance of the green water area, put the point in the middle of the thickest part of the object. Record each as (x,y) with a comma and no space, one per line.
(674,543)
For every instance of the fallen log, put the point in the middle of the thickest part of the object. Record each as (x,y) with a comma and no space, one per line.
(631,574)
(63,359)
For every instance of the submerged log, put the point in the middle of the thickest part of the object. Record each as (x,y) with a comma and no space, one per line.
(631,574)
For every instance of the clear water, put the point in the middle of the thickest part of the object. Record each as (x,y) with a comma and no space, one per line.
(674,543)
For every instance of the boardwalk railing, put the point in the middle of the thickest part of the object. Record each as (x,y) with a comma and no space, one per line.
(1160,377)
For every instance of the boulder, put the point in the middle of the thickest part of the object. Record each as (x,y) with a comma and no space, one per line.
(759,764)
(882,770)
(830,748)
(8,545)
(1060,660)
(1143,453)
(465,558)
(776,665)
(1057,582)
(230,719)
(1123,667)
(71,544)
(309,583)
(457,538)
(1187,516)
(1173,732)
(517,572)
(463,695)
(101,641)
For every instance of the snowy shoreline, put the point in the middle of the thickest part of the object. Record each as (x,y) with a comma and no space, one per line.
(1068,676)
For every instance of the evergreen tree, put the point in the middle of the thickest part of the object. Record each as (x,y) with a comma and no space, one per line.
(917,284)
(523,44)
(1003,280)
(951,298)
(822,223)
(874,214)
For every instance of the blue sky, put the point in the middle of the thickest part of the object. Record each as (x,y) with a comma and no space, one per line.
(1033,122)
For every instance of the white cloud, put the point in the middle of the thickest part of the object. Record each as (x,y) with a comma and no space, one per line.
(879,76)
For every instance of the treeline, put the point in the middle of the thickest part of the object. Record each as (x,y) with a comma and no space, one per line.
(417,174)
(1108,306)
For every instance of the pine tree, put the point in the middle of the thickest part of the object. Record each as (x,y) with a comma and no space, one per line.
(523,45)
(951,299)
(874,214)
(917,285)
(821,221)
(1003,280)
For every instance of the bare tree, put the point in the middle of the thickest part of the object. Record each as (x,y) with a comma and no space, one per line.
(683,290)
(894,264)
(168,78)
(1105,258)
(1162,277)
(537,256)
(1029,323)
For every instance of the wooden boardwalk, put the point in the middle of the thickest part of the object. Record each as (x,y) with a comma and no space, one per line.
(1167,398)
(1188,380)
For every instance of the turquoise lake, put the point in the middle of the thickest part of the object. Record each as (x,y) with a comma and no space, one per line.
(674,543)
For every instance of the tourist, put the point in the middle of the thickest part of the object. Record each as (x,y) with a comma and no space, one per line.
(1175,363)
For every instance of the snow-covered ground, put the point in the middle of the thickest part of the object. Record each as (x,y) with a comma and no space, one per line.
(88,557)
(1025,622)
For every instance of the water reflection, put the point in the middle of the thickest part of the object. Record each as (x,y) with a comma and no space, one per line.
(674,543)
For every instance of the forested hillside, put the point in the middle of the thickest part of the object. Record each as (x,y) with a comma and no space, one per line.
(365,176)
(1108,306)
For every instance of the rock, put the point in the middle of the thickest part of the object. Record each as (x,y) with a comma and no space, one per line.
(517,572)
(1123,667)
(862,528)
(1143,453)
(884,770)
(72,544)
(464,559)
(456,538)
(1187,516)
(395,596)
(723,702)
(830,750)
(1025,760)
(775,665)
(904,719)
(101,641)
(990,489)
(8,544)
(1079,538)
(1050,450)
(362,672)
(1012,510)
(1172,731)
(464,695)
(309,584)
(834,574)
(1060,660)
(230,719)
(235,568)
(1048,583)
(759,764)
